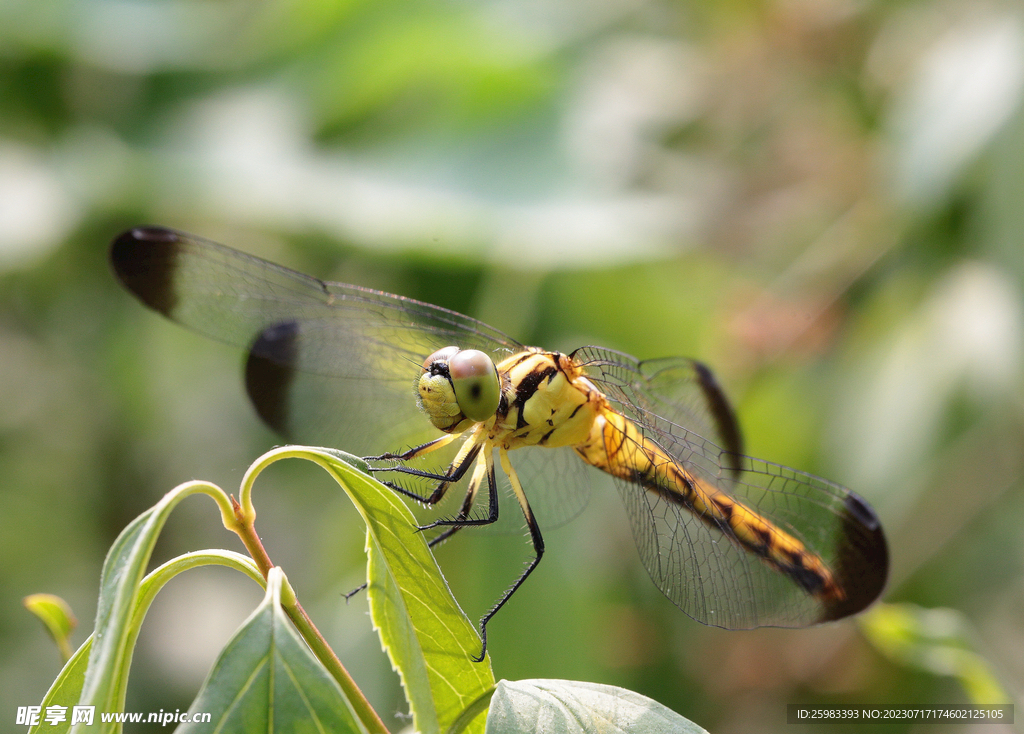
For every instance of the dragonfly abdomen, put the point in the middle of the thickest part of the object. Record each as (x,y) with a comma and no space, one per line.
(617,446)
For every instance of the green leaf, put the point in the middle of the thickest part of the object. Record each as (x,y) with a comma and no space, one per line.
(569,707)
(266,679)
(427,636)
(65,690)
(939,641)
(468,720)
(350,459)
(57,616)
(117,613)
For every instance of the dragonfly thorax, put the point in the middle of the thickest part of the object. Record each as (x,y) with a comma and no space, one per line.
(458,388)
(549,401)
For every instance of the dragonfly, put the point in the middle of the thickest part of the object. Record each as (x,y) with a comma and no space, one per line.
(735,542)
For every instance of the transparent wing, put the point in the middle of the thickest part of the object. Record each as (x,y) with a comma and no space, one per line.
(557,483)
(694,561)
(329,363)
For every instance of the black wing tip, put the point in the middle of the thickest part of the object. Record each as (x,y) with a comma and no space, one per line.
(144,260)
(270,371)
(862,566)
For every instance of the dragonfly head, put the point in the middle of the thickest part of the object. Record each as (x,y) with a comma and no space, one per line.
(458,388)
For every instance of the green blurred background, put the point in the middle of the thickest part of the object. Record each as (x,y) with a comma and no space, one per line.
(823,199)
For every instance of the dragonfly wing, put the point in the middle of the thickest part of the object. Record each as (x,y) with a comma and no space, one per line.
(363,416)
(717,582)
(704,570)
(556,482)
(328,361)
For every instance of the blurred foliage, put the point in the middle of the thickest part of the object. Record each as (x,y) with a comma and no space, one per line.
(820,198)
(58,618)
(939,641)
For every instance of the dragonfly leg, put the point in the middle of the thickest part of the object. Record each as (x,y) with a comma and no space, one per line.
(484,467)
(538,548)
(458,468)
(417,451)
(349,595)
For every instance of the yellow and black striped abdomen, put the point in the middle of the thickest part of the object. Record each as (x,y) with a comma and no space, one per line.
(617,446)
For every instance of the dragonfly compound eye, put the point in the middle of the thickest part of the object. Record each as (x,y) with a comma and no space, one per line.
(437,362)
(437,394)
(475,380)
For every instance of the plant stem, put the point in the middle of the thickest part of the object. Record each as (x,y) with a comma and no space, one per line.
(326,655)
(244,526)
